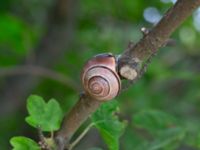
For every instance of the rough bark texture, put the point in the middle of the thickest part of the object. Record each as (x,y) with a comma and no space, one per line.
(149,44)
(79,113)
(159,35)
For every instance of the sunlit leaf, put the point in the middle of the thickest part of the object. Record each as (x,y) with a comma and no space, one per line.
(24,143)
(47,116)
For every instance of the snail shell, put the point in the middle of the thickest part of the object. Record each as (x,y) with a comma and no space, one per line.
(100,78)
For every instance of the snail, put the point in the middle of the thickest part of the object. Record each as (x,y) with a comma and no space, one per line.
(100,78)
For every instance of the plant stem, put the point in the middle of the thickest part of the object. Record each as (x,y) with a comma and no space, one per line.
(71,146)
(79,113)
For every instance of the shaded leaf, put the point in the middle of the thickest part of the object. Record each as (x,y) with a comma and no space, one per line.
(153,120)
(165,130)
(168,138)
(111,128)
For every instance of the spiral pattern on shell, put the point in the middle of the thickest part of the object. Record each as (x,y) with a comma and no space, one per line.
(100,78)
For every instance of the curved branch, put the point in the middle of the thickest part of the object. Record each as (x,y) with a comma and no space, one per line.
(39,71)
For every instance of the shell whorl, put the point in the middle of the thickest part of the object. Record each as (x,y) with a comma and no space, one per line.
(100,79)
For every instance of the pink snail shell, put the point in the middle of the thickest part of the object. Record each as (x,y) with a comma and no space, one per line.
(100,78)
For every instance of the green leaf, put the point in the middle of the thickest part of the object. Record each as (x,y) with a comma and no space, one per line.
(164,128)
(153,120)
(24,143)
(168,139)
(193,140)
(108,124)
(47,116)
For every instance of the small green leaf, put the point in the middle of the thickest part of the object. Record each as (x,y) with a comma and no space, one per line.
(47,116)
(110,128)
(24,143)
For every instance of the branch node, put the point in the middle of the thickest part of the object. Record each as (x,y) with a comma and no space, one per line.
(130,44)
(43,144)
(128,68)
(128,72)
(144,31)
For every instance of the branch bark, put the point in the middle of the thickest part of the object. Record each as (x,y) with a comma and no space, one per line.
(148,45)
(79,113)
(158,36)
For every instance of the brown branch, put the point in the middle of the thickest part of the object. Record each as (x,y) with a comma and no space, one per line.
(79,113)
(158,36)
(148,45)
(39,71)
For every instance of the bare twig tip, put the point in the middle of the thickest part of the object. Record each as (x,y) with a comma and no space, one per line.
(144,31)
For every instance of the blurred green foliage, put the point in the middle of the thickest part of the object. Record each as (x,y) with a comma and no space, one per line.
(162,109)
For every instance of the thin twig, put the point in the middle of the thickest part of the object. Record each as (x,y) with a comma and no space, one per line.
(39,71)
(42,141)
(78,139)
(72,121)
(73,144)
(52,134)
(41,135)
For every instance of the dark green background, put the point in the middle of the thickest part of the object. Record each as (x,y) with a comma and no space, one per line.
(171,83)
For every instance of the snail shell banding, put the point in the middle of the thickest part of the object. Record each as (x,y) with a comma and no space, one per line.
(100,78)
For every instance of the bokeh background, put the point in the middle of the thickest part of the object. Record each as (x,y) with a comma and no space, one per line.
(44,44)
